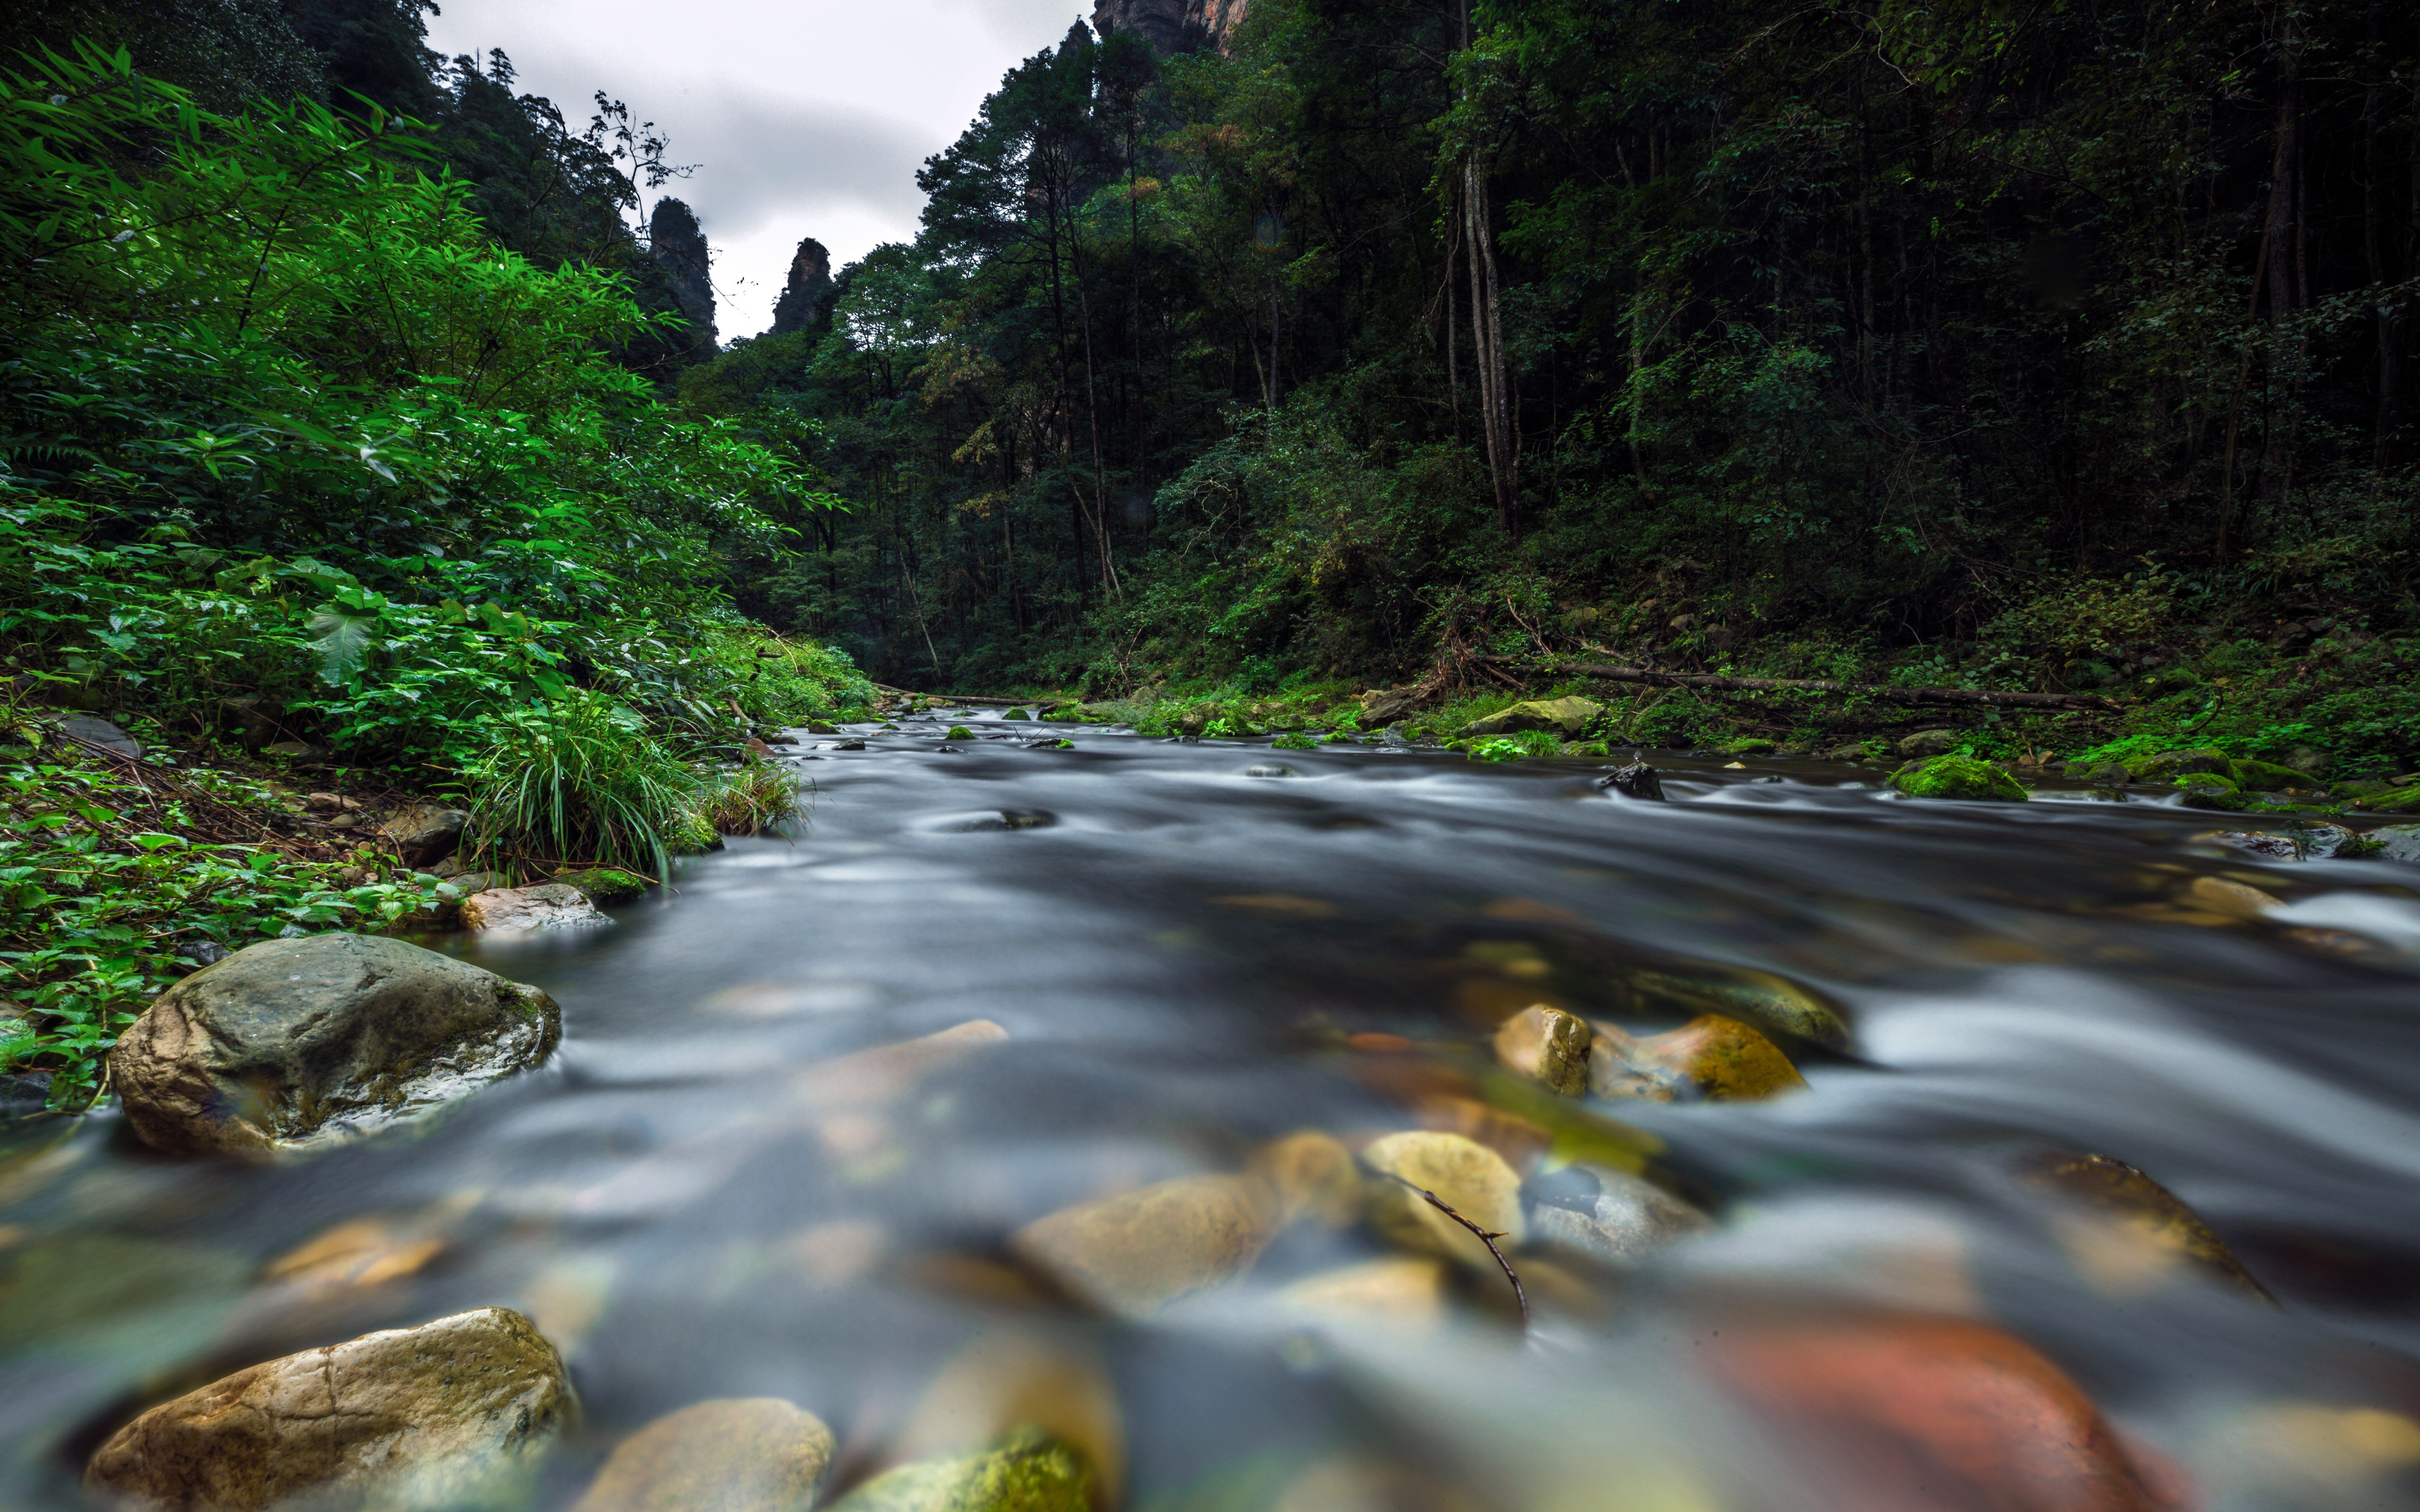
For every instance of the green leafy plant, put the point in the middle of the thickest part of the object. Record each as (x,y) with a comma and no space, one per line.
(750,798)
(1294,741)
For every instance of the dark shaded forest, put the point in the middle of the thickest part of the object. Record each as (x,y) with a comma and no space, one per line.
(2046,346)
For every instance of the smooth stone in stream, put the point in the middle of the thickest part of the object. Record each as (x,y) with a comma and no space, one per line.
(2396,842)
(1711,1056)
(1464,1175)
(2136,1231)
(290,1042)
(1030,1472)
(1397,1290)
(1612,1217)
(1771,1002)
(1010,1377)
(547,905)
(452,1412)
(1269,769)
(1548,1046)
(1135,1253)
(757,1454)
(1313,1176)
(1939,1412)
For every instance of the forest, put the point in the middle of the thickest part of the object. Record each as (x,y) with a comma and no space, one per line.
(2059,346)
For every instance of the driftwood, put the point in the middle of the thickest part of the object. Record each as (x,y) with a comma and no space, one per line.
(1809,685)
(1484,1237)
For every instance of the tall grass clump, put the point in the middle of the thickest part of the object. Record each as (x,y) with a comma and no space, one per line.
(579,780)
(748,799)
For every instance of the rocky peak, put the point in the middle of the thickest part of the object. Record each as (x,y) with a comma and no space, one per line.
(1173,25)
(678,242)
(808,292)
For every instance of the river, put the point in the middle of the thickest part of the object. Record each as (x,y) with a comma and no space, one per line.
(1189,961)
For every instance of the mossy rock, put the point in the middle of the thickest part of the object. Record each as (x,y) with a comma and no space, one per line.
(1957,777)
(2105,774)
(2167,765)
(1030,1472)
(2207,790)
(2394,800)
(2267,776)
(605,884)
(959,732)
(1061,744)
(1751,747)
(1017,714)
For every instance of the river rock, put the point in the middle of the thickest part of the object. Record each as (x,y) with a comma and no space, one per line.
(1566,715)
(547,905)
(1609,1216)
(1927,743)
(1009,1377)
(1635,780)
(424,832)
(1714,1058)
(2167,765)
(1313,1176)
(1135,1253)
(2146,1217)
(1466,1175)
(1938,1412)
(1774,1003)
(757,1454)
(441,1416)
(1384,706)
(1548,1045)
(1030,1472)
(289,1041)
(2396,843)
(1396,1290)
(2304,842)
(605,884)
(2269,777)
(1957,777)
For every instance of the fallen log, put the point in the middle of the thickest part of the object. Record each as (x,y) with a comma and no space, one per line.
(1809,685)
(950,699)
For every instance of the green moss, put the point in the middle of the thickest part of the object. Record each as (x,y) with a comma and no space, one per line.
(1751,748)
(1017,714)
(1957,777)
(605,884)
(2207,790)
(1295,742)
(2167,765)
(959,732)
(2267,774)
(1030,1472)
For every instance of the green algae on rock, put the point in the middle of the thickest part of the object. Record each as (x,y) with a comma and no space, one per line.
(1957,777)
(959,732)
(1028,1471)
(605,884)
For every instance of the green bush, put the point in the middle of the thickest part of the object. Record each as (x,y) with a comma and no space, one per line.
(1294,741)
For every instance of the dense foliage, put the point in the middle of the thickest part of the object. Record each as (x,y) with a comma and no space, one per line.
(294,454)
(1935,342)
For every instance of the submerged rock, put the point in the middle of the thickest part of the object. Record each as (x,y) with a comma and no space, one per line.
(1313,1176)
(1030,1472)
(448,1413)
(1711,1056)
(1269,769)
(548,905)
(1957,777)
(1466,1175)
(1608,1216)
(291,1039)
(2145,1218)
(1547,1045)
(1774,1003)
(1397,1290)
(1135,1253)
(757,1454)
(1566,715)
(1938,1412)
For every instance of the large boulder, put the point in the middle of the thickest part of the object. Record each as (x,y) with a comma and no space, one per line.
(1567,717)
(548,905)
(756,1455)
(294,1041)
(450,1413)
(424,832)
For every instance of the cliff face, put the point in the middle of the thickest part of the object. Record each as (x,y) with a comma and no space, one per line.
(809,292)
(678,242)
(1171,25)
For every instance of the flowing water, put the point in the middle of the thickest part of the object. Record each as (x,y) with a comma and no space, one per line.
(1191,961)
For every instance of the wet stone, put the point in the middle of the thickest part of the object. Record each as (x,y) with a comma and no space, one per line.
(1466,1175)
(547,905)
(1313,1176)
(753,1455)
(1135,1253)
(1269,769)
(1608,1216)
(1548,1046)
(290,1040)
(1030,1472)
(1635,780)
(2164,1227)
(451,1412)
(1714,1058)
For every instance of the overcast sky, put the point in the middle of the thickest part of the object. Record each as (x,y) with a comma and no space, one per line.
(809,117)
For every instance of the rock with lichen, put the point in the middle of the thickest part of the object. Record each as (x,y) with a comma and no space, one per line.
(1957,777)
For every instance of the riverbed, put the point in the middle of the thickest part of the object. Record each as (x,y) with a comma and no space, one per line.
(1195,948)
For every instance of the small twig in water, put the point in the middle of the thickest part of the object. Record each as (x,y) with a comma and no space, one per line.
(1484,1237)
